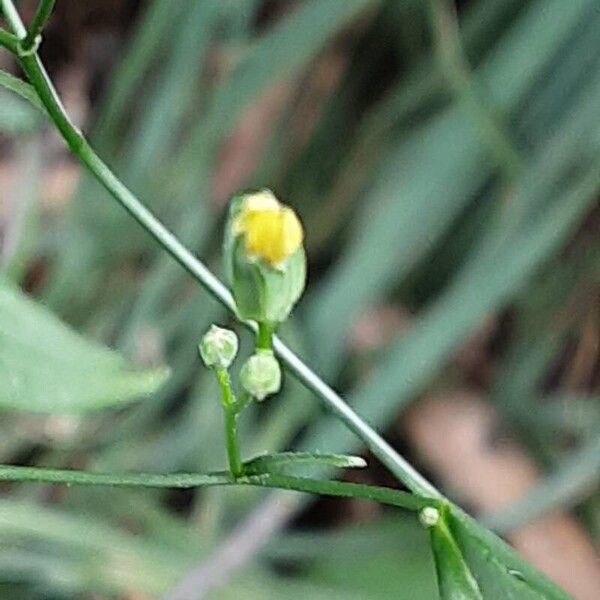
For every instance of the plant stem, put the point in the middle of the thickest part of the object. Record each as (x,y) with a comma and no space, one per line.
(230,411)
(36,74)
(42,15)
(264,337)
(9,41)
(12,18)
(233,446)
(379,494)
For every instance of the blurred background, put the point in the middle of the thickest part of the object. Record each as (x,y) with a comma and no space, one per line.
(445,160)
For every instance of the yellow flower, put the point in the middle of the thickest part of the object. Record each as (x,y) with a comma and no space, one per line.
(271,230)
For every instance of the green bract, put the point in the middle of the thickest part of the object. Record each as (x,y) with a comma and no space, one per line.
(263,292)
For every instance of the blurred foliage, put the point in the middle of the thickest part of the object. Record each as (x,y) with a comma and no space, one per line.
(456,194)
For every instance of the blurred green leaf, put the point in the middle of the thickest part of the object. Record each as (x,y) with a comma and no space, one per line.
(45,367)
(572,480)
(99,556)
(21,88)
(389,559)
(291,43)
(16,115)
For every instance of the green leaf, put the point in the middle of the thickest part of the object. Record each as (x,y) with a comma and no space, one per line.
(473,564)
(283,461)
(16,116)
(19,87)
(455,580)
(45,367)
(356,560)
(498,569)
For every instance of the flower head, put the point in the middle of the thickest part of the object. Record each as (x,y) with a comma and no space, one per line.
(271,231)
(264,257)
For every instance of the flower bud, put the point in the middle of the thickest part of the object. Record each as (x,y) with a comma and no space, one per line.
(264,257)
(218,347)
(429,516)
(261,375)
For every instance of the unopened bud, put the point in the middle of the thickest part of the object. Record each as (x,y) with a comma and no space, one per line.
(261,375)
(264,257)
(429,516)
(218,347)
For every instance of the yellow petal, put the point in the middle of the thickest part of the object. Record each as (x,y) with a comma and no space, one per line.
(271,230)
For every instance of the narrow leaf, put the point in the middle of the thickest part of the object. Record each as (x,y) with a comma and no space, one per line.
(284,461)
(499,570)
(455,580)
(21,88)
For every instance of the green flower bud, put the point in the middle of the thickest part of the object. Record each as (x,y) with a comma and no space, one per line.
(264,257)
(218,347)
(429,516)
(261,375)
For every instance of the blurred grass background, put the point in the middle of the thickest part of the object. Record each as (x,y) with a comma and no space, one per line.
(447,171)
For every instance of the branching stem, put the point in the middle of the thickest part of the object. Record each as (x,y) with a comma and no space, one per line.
(39,79)
(189,480)
(42,15)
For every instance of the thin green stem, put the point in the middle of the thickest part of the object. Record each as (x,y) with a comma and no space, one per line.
(230,411)
(233,444)
(379,494)
(264,337)
(9,41)
(12,18)
(36,74)
(40,19)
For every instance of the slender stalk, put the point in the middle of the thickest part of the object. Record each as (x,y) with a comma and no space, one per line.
(233,445)
(379,494)
(230,411)
(264,337)
(36,74)
(40,19)
(13,19)
(9,41)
